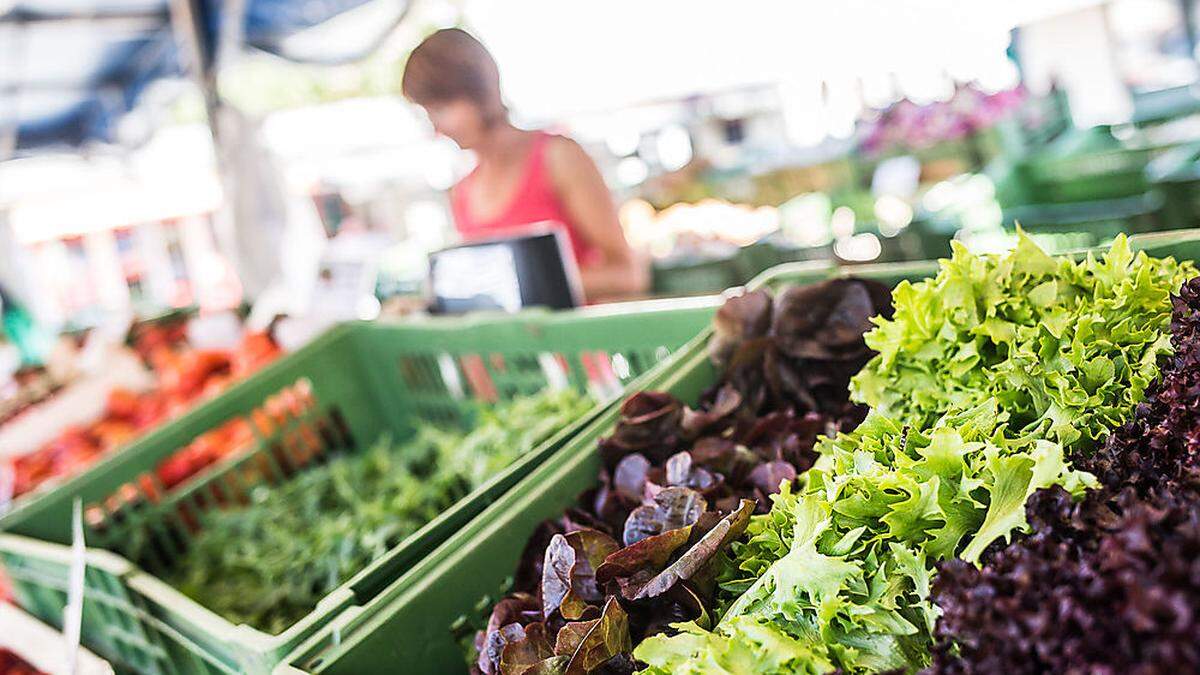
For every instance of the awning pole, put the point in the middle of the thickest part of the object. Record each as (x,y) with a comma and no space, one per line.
(189,32)
(190,28)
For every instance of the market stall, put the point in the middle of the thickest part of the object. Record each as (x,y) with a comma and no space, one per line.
(354,336)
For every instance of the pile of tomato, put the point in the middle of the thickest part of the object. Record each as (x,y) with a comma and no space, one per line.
(11,664)
(184,376)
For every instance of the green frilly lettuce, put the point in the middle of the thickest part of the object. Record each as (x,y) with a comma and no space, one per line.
(985,377)
(837,575)
(1066,347)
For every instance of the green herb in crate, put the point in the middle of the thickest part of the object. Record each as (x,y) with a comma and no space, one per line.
(267,564)
(1066,347)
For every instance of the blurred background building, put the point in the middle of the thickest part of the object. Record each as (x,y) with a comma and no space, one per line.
(173,153)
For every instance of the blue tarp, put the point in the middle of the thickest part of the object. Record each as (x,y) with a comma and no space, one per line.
(69,69)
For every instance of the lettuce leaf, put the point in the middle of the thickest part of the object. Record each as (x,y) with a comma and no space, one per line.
(984,378)
(840,571)
(1066,347)
(744,646)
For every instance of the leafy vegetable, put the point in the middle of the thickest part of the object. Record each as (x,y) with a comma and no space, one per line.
(267,564)
(1106,585)
(839,572)
(679,485)
(743,645)
(569,572)
(983,376)
(1109,584)
(185,375)
(811,346)
(1066,348)
(585,568)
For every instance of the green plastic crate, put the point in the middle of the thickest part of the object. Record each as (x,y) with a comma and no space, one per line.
(786,252)
(1163,105)
(337,394)
(934,234)
(695,277)
(419,623)
(1176,175)
(1108,174)
(755,259)
(1082,165)
(1085,224)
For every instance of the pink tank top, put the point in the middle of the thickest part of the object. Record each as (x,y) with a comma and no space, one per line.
(535,201)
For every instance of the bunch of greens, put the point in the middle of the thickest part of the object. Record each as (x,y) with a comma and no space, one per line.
(1066,347)
(837,575)
(985,377)
(1110,583)
(268,563)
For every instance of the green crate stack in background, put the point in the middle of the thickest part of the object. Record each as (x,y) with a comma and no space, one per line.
(1176,175)
(695,276)
(1091,223)
(421,622)
(1160,106)
(1082,189)
(338,394)
(1080,165)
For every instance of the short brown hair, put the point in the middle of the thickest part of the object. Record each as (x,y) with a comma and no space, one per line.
(451,65)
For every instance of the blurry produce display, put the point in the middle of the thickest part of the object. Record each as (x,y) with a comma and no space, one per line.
(906,126)
(184,376)
(708,229)
(27,388)
(12,664)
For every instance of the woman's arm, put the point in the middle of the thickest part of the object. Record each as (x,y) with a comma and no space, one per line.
(587,200)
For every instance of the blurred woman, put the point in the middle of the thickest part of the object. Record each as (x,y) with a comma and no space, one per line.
(520,177)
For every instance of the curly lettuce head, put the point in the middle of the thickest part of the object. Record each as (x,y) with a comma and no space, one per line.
(1066,347)
(839,573)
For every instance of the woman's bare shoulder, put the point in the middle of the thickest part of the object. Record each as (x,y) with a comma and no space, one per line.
(565,156)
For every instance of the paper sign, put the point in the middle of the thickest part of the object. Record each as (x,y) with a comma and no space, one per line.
(342,285)
(449,372)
